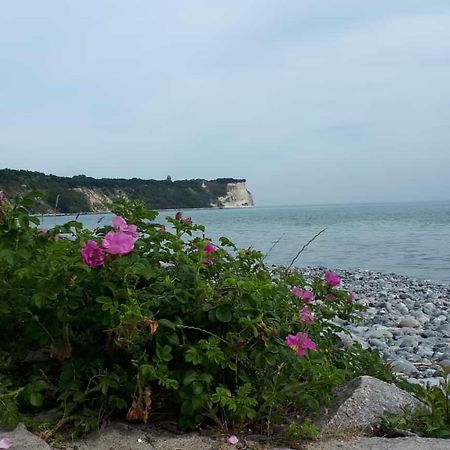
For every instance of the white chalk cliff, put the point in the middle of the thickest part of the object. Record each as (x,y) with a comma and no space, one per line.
(237,196)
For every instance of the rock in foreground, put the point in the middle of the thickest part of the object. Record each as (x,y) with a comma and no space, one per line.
(375,443)
(24,440)
(359,404)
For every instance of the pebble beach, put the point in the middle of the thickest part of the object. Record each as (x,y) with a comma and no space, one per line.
(406,319)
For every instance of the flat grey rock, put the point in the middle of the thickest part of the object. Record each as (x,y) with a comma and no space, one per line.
(409,322)
(445,363)
(24,440)
(124,436)
(358,405)
(408,443)
(404,366)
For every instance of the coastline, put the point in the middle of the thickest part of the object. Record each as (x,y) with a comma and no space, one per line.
(406,319)
(91,213)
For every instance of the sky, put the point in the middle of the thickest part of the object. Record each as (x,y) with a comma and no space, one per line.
(312,101)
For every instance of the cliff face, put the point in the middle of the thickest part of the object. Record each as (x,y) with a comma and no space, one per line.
(237,196)
(86,194)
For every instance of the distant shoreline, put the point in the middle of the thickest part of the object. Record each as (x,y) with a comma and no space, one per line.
(90,213)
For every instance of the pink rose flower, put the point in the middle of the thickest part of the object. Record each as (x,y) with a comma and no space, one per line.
(188,220)
(93,255)
(179,215)
(332,279)
(306,316)
(118,243)
(300,342)
(162,229)
(210,248)
(302,294)
(120,224)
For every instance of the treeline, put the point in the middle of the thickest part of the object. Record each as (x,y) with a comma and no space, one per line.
(83,194)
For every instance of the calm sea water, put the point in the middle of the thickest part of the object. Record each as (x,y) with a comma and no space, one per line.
(407,238)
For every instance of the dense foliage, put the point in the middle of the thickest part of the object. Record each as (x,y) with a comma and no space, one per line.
(142,321)
(68,194)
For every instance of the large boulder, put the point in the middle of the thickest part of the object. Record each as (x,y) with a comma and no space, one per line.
(358,405)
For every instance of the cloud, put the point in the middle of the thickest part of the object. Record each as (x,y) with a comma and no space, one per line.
(316,96)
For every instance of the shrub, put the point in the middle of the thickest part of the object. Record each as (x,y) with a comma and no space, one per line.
(137,320)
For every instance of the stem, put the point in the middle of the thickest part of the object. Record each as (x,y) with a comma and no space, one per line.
(36,319)
(280,367)
(273,246)
(204,331)
(12,394)
(303,248)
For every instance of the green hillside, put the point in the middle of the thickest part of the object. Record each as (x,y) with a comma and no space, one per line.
(85,194)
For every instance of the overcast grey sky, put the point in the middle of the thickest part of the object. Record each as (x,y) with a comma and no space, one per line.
(311,101)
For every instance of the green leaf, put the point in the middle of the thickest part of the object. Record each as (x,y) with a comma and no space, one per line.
(167,324)
(227,243)
(223,313)
(169,383)
(164,353)
(39,299)
(197,388)
(147,372)
(192,355)
(36,399)
(173,339)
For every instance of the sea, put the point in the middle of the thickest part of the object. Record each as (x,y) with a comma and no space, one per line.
(411,239)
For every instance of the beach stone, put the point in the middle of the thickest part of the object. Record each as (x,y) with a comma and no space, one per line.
(404,366)
(24,440)
(409,355)
(433,381)
(381,332)
(409,322)
(378,344)
(422,318)
(429,333)
(444,329)
(428,373)
(425,352)
(359,404)
(445,363)
(409,341)
(429,309)
(345,340)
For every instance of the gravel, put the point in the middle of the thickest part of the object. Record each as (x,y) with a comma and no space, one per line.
(406,319)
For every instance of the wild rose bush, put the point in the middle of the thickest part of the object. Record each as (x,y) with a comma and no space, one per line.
(141,321)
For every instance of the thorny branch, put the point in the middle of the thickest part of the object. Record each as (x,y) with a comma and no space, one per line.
(303,248)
